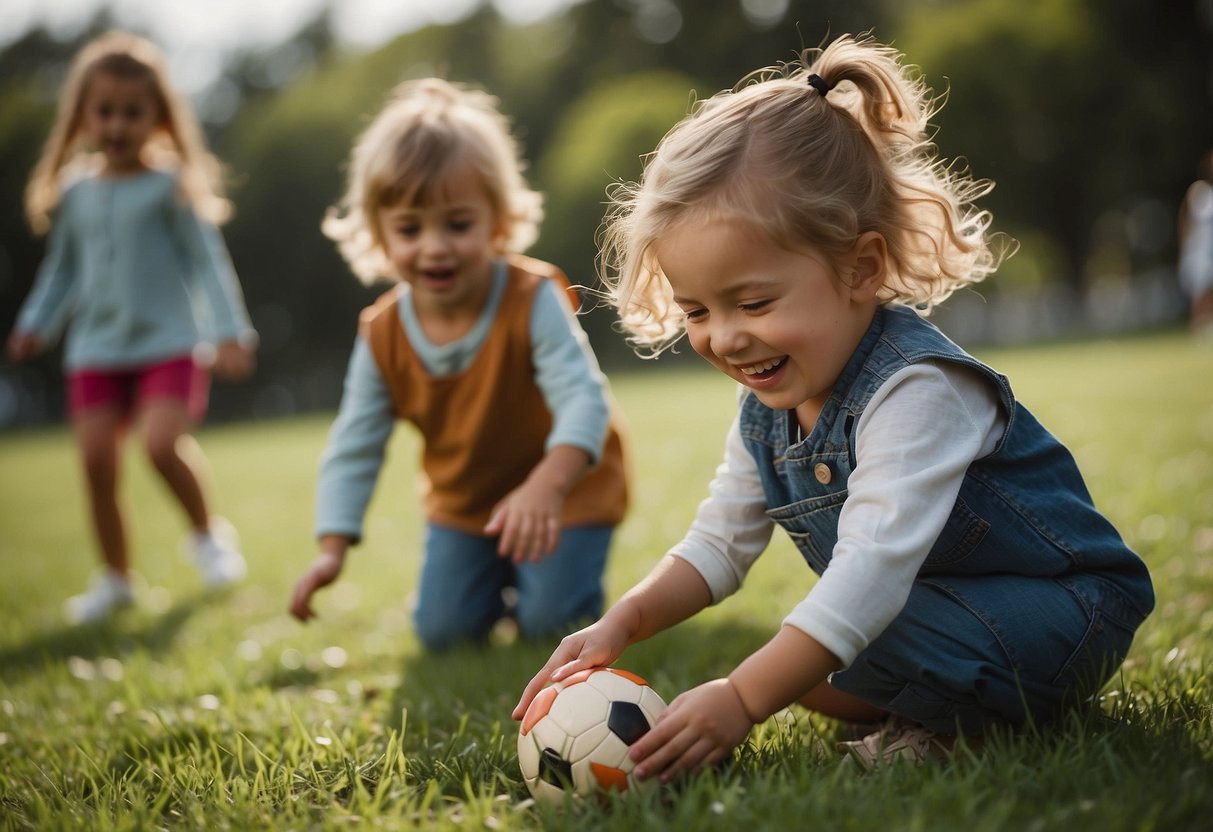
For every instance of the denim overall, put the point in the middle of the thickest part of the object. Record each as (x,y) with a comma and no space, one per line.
(1029,598)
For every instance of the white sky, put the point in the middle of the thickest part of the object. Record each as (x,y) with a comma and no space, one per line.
(204,27)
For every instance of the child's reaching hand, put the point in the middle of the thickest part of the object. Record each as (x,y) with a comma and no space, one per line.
(700,728)
(594,646)
(234,361)
(528,522)
(528,518)
(324,570)
(23,346)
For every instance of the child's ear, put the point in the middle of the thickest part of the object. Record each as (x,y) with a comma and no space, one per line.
(500,235)
(869,261)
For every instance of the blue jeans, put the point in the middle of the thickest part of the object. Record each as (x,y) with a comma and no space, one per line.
(462,579)
(970,652)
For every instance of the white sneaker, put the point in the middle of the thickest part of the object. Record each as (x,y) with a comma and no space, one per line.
(108,593)
(896,740)
(216,553)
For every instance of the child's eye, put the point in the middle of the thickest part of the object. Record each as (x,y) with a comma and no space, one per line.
(460,226)
(755,306)
(406,230)
(695,314)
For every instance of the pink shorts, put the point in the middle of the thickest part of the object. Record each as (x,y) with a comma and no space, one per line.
(177,378)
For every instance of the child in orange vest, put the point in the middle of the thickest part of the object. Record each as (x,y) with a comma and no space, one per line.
(478,347)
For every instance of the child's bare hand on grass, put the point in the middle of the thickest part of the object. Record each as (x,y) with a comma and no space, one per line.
(323,571)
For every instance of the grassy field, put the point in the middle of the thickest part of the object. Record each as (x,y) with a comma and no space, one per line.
(207,712)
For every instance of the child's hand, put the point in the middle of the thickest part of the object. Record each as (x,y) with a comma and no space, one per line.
(700,728)
(528,522)
(528,519)
(595,646)
(234,361)
(23,346)
(323,571)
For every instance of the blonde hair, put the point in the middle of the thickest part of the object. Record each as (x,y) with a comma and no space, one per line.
(806,168)
(429,129)
(179,142)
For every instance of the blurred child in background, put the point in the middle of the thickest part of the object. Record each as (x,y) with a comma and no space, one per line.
(131,197)
(1196,248)
(479,349)
(794,229)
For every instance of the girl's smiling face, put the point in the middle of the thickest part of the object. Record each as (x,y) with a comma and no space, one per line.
(119,115)
(782,322)
(444,248)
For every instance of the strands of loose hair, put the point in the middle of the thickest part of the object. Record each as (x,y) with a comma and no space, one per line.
(428,129)
(806,169)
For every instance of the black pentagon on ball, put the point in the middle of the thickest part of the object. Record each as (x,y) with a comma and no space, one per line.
(627,721)
(555,769)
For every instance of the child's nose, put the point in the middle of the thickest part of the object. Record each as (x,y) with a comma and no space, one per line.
(728,338)
(433,240)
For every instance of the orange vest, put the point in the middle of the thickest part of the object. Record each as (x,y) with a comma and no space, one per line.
(484,428)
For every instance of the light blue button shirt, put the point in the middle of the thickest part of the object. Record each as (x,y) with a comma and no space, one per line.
(140,276)
(566,372)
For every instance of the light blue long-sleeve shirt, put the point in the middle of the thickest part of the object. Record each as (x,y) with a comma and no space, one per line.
(566,373)
(140,275)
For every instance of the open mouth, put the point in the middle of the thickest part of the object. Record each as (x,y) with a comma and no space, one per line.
(763,369)
(438,276)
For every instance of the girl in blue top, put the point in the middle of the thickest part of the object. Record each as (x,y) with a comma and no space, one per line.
(136,262)
(796,228)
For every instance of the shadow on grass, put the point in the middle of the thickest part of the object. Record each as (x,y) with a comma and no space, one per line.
(482,676)
(452,704)
(121,635)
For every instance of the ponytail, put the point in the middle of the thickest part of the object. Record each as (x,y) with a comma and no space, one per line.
(814,152)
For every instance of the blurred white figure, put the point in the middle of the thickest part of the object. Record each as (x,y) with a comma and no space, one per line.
(1196,248)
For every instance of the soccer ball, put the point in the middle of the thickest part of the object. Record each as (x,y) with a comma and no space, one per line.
(576,734)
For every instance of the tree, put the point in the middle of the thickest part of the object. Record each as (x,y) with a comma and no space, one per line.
(600,140)
(1054,101)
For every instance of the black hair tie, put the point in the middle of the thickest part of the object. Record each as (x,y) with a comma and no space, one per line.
(818,83)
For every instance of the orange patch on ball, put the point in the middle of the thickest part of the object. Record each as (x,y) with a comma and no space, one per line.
(540,706)
(609,777)
(629,676)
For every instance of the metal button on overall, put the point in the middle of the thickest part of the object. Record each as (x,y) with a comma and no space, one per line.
(822,472)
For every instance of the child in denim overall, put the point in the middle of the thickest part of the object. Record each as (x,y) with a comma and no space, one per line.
(794,229)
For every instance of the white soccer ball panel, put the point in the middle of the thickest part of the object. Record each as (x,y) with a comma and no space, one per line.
(545,791)
(528,756)
(651,704)
(583,779)
(615,687)
(548,733)
(613,752)
(578,709)
(584,746)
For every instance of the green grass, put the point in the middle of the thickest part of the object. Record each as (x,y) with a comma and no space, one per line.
(221,712)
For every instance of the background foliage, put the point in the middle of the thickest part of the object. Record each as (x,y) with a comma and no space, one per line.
(1089,115)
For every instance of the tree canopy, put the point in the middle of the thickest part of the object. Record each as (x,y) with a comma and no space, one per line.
(1089,116)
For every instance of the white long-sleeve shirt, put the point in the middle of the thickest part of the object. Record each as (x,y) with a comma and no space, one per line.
(914,443)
